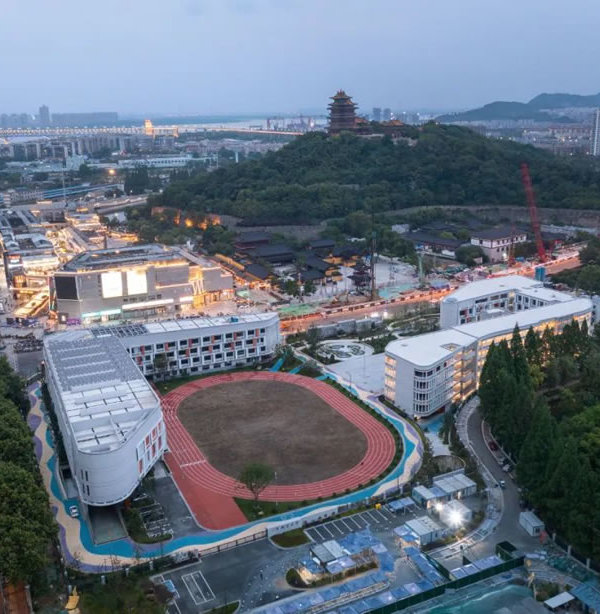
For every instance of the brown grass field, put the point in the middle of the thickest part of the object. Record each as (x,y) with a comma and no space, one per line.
(283,425)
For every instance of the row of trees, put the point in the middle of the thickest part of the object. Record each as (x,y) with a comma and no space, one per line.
(26,524)
(541,397)
(316,177)
(587,276)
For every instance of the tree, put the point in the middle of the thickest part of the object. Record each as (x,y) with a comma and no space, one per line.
(85,172)
(26,524)
(309,287)
(533,347)
(312,337)
(161,362)
(256,477)
(590,254)
(137,180)
(538,447)
(470,254)
(16,445)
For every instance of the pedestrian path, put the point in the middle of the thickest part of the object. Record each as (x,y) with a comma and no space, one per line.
(79,549)
(277,365)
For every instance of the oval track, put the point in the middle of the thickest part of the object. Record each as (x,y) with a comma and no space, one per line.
(189,460)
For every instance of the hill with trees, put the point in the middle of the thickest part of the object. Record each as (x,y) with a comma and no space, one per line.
(536,109)
(317,177)
(541,397)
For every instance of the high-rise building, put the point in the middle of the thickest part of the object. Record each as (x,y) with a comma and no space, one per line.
(595,140)
(44,116)
(376,116)
(387,114)
(342,113)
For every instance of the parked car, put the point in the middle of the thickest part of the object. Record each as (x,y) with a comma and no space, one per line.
(507,467)
(502,484)
(73,511)
(493,446)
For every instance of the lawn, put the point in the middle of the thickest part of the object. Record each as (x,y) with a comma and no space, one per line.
(262,509)
(290,539)
(133,595)
(230,608)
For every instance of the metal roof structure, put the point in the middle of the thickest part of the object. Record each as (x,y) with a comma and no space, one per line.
(117,258)
(183,324)
(104,394)
(424,525)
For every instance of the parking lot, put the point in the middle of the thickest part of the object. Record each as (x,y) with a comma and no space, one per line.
(153,516)
(197,593)
(374,518)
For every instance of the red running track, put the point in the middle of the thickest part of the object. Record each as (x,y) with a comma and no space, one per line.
(209,492)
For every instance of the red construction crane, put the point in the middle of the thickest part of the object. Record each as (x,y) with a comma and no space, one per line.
(539,243)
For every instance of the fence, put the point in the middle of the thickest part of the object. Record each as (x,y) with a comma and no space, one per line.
(298,523)
(438,591)
(229,545)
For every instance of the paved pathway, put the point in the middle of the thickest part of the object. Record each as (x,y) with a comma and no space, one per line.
(80,551)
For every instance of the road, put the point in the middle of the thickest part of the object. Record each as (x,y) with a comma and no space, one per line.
(346,312)
(508,528)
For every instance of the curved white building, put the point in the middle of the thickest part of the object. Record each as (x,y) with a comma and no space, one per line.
(109,416)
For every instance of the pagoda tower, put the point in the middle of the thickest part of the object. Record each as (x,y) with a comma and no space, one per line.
(342,113)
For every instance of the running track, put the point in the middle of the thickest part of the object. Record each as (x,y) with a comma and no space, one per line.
(209,492)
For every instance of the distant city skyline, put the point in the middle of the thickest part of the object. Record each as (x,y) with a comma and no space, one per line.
(236,57)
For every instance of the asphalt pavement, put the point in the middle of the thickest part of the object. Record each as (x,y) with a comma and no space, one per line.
(507,527)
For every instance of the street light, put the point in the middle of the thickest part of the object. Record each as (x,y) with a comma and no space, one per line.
(455,518)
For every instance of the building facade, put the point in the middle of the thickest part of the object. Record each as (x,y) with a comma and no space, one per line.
(109,416)
(497,242)
(428,373)
(494,297)
(136,282)
(197,345)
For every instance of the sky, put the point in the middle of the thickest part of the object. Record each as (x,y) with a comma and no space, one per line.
(219,57)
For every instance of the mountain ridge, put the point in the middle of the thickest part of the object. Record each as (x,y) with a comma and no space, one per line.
(536,109)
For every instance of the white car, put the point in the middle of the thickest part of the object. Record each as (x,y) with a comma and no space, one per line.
(74,511)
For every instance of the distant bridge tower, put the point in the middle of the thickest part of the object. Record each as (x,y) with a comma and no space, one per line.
(148,128)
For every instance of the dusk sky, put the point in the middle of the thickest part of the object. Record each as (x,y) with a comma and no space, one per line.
(253,56)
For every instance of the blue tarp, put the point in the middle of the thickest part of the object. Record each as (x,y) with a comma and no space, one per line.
(423,564)
(401,504)
(588,593)
(399,593)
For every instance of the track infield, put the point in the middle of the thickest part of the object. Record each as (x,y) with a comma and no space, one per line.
(319,442)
